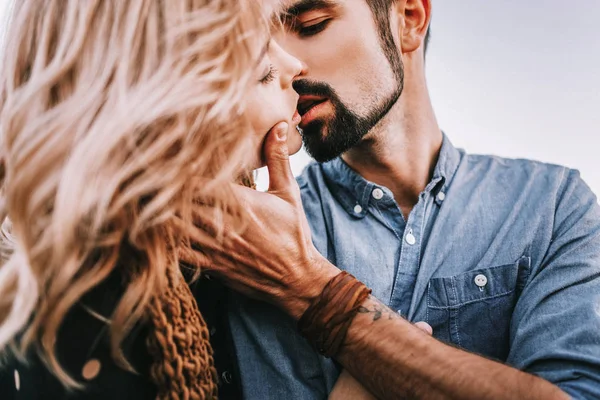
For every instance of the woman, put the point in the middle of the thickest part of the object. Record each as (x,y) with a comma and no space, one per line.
(120,121)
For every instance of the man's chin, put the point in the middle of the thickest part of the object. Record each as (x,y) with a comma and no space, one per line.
(316,143)
(324,148)
(321,151)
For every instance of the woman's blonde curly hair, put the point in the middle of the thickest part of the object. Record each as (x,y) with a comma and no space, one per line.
(119,121)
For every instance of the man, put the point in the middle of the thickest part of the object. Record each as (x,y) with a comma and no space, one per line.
(501,257)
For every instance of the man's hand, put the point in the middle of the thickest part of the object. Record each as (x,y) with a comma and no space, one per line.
(273,259)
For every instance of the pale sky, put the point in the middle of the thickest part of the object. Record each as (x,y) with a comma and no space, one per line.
(514,78)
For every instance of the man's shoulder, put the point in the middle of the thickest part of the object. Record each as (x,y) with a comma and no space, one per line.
(517,171)
(553,182)
(524,165)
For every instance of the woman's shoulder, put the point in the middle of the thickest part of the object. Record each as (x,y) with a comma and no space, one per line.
(83,350)
(99,376)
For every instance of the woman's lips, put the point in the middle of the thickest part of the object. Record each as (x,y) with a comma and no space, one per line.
(296,119)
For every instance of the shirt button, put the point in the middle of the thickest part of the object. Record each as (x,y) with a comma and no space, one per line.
(91,369)
(441,196)
(17,380)
(377,194)
(227,378)
(357,209)
(481,280)
(410,238)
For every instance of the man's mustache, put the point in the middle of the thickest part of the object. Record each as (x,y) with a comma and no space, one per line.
(321,89)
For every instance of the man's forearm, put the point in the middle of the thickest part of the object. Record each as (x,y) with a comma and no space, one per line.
(394,359)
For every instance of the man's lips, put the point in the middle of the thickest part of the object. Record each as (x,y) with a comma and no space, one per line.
(309,107)
(305,103)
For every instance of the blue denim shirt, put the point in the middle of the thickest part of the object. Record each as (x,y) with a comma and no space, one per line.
(501,257)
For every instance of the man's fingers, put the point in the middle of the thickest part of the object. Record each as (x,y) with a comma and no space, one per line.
(425,327)
(277,157)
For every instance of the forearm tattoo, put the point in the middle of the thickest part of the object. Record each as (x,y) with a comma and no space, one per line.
(378,310)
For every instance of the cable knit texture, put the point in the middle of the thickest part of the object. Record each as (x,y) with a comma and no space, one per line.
(183,366)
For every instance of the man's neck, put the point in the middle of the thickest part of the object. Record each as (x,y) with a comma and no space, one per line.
(401,152)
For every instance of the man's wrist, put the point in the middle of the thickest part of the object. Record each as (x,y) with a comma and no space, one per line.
(325,323)
(321,272)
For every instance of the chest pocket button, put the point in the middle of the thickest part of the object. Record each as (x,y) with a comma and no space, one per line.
(481,280)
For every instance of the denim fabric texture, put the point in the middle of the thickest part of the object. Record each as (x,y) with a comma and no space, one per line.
(501,257)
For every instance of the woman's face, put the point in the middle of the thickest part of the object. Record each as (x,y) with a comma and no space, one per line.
(272,98)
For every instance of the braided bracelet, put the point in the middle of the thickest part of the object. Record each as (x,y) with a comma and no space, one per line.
(327,320)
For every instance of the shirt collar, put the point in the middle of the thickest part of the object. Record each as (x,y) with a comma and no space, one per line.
(447,164)
(354,192)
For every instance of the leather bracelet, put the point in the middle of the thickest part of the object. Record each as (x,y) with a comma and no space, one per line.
(326,321)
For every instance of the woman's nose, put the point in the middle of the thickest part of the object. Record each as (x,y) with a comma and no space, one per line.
(291,67)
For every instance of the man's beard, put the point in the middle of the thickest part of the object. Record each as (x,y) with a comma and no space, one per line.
(326,140)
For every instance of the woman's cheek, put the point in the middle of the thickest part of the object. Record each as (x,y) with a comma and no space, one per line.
(265,116)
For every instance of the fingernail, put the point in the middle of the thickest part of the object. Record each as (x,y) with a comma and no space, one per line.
(282,132)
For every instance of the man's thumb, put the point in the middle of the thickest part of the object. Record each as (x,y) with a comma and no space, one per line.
(278,159)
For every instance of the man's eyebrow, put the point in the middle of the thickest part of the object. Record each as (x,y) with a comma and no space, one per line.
(303,6)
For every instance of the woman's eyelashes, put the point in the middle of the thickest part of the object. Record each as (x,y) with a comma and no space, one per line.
(270,75)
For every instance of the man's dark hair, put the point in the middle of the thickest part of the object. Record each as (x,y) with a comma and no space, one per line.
(381,13)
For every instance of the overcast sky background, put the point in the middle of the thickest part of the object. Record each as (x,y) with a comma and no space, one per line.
(513,78)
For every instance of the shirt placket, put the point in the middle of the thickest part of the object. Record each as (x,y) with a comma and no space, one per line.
(410,255)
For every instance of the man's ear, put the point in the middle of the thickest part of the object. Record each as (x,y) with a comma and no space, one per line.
(413,22)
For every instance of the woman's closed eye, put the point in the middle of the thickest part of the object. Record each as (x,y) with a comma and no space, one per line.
(269,76)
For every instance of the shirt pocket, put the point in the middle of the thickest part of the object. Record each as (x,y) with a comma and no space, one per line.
(473,310)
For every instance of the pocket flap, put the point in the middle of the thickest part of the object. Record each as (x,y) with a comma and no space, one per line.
(475,285)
